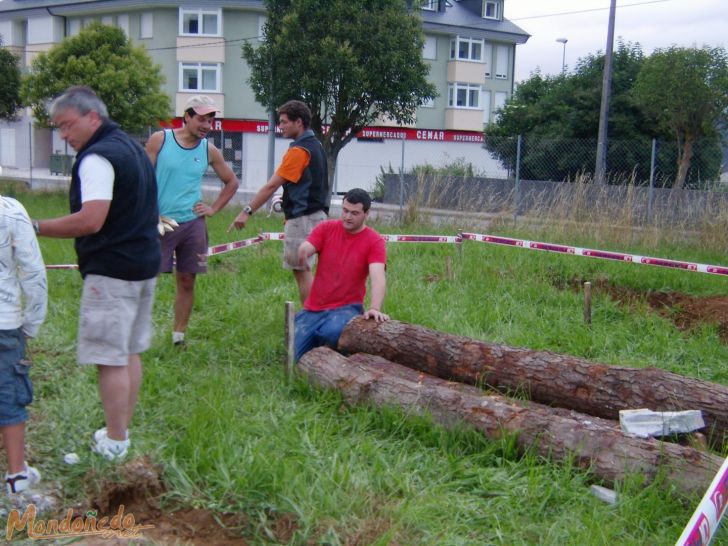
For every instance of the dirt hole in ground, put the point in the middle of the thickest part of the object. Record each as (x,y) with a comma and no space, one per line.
(686,312)
(137,485)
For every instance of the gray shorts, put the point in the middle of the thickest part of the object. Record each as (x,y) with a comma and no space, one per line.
(185,247)
(295,232)
(115,321)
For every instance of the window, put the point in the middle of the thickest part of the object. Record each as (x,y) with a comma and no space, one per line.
(107,20)
(463,95)
(501,62)
(146,25)
(199,77)
(429,50)
(488,59)
(491,10)
(430,5)
(429,103)
(199,22)
(466,49)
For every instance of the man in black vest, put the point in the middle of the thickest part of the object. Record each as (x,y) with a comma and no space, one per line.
(114,216)
(304,175)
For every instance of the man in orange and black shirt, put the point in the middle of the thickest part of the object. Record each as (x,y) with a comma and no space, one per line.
(303,173)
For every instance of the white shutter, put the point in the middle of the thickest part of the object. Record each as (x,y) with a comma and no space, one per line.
(429,51)
(122,21)
(500,100)
(488,59)
(485,105)
(146,25)
(501,62)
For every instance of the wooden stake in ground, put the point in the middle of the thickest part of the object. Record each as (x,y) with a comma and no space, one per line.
(549,378)
(587,303)
(553,433)
(290,338)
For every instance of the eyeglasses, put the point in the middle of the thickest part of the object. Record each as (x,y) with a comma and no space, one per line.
(67,125)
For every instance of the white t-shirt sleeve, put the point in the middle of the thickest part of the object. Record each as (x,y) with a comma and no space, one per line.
(97,178)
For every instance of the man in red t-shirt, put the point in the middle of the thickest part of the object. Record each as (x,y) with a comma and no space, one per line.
(348,252)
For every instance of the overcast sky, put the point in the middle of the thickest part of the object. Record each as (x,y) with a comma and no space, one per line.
(652,23)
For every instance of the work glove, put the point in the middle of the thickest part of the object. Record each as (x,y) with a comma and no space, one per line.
(166,224)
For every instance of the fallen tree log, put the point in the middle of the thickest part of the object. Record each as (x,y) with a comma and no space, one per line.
(546,377)
(556,434)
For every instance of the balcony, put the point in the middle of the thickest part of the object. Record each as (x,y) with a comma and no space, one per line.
(465,72)
(462,119)
(200,49)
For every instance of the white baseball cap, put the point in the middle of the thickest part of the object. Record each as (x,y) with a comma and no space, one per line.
(201,104)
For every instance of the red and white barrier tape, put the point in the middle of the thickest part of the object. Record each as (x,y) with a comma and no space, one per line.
(392,238)
(211,251)
(702,526)
(422,239)
(229,247)
(491,239)
(604,254)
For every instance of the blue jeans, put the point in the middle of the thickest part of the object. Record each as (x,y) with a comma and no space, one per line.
(16,389)
(317,328)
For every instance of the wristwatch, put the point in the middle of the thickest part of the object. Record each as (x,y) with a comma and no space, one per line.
(247,209)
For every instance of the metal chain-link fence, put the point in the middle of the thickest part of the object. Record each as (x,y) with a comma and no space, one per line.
(646,181)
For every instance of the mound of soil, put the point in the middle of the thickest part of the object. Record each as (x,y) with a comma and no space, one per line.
(686,312)
(138,486)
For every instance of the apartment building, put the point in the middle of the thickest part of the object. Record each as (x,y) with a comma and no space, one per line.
(470,46)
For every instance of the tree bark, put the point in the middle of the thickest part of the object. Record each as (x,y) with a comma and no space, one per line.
(685,158)
(594,443)
(549,378)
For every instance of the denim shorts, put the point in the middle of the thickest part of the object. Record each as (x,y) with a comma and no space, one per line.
(318,328)
(16,389)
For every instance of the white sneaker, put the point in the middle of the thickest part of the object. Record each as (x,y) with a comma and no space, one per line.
(101,433)
(17,483)
(111,449)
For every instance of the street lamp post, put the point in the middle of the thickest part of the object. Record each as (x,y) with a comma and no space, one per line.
(563,56)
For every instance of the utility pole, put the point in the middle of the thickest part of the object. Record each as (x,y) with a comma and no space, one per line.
(563,56)
(600,169)
(271,127)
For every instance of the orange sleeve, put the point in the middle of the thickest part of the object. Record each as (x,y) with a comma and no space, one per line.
(293,164)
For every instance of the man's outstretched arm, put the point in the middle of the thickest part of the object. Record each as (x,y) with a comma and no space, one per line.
(378,279)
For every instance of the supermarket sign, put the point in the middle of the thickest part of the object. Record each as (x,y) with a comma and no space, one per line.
(368,133)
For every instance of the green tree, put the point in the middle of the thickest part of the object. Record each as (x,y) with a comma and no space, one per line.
(9,83)
(103,58)
(352,61)
(685,90)
(558,116)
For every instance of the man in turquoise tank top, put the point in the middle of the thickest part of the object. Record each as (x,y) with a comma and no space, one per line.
(181,157)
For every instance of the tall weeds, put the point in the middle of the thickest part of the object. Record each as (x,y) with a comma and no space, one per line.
(579,210)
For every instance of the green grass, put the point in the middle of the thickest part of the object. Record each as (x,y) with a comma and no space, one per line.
(233,436)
